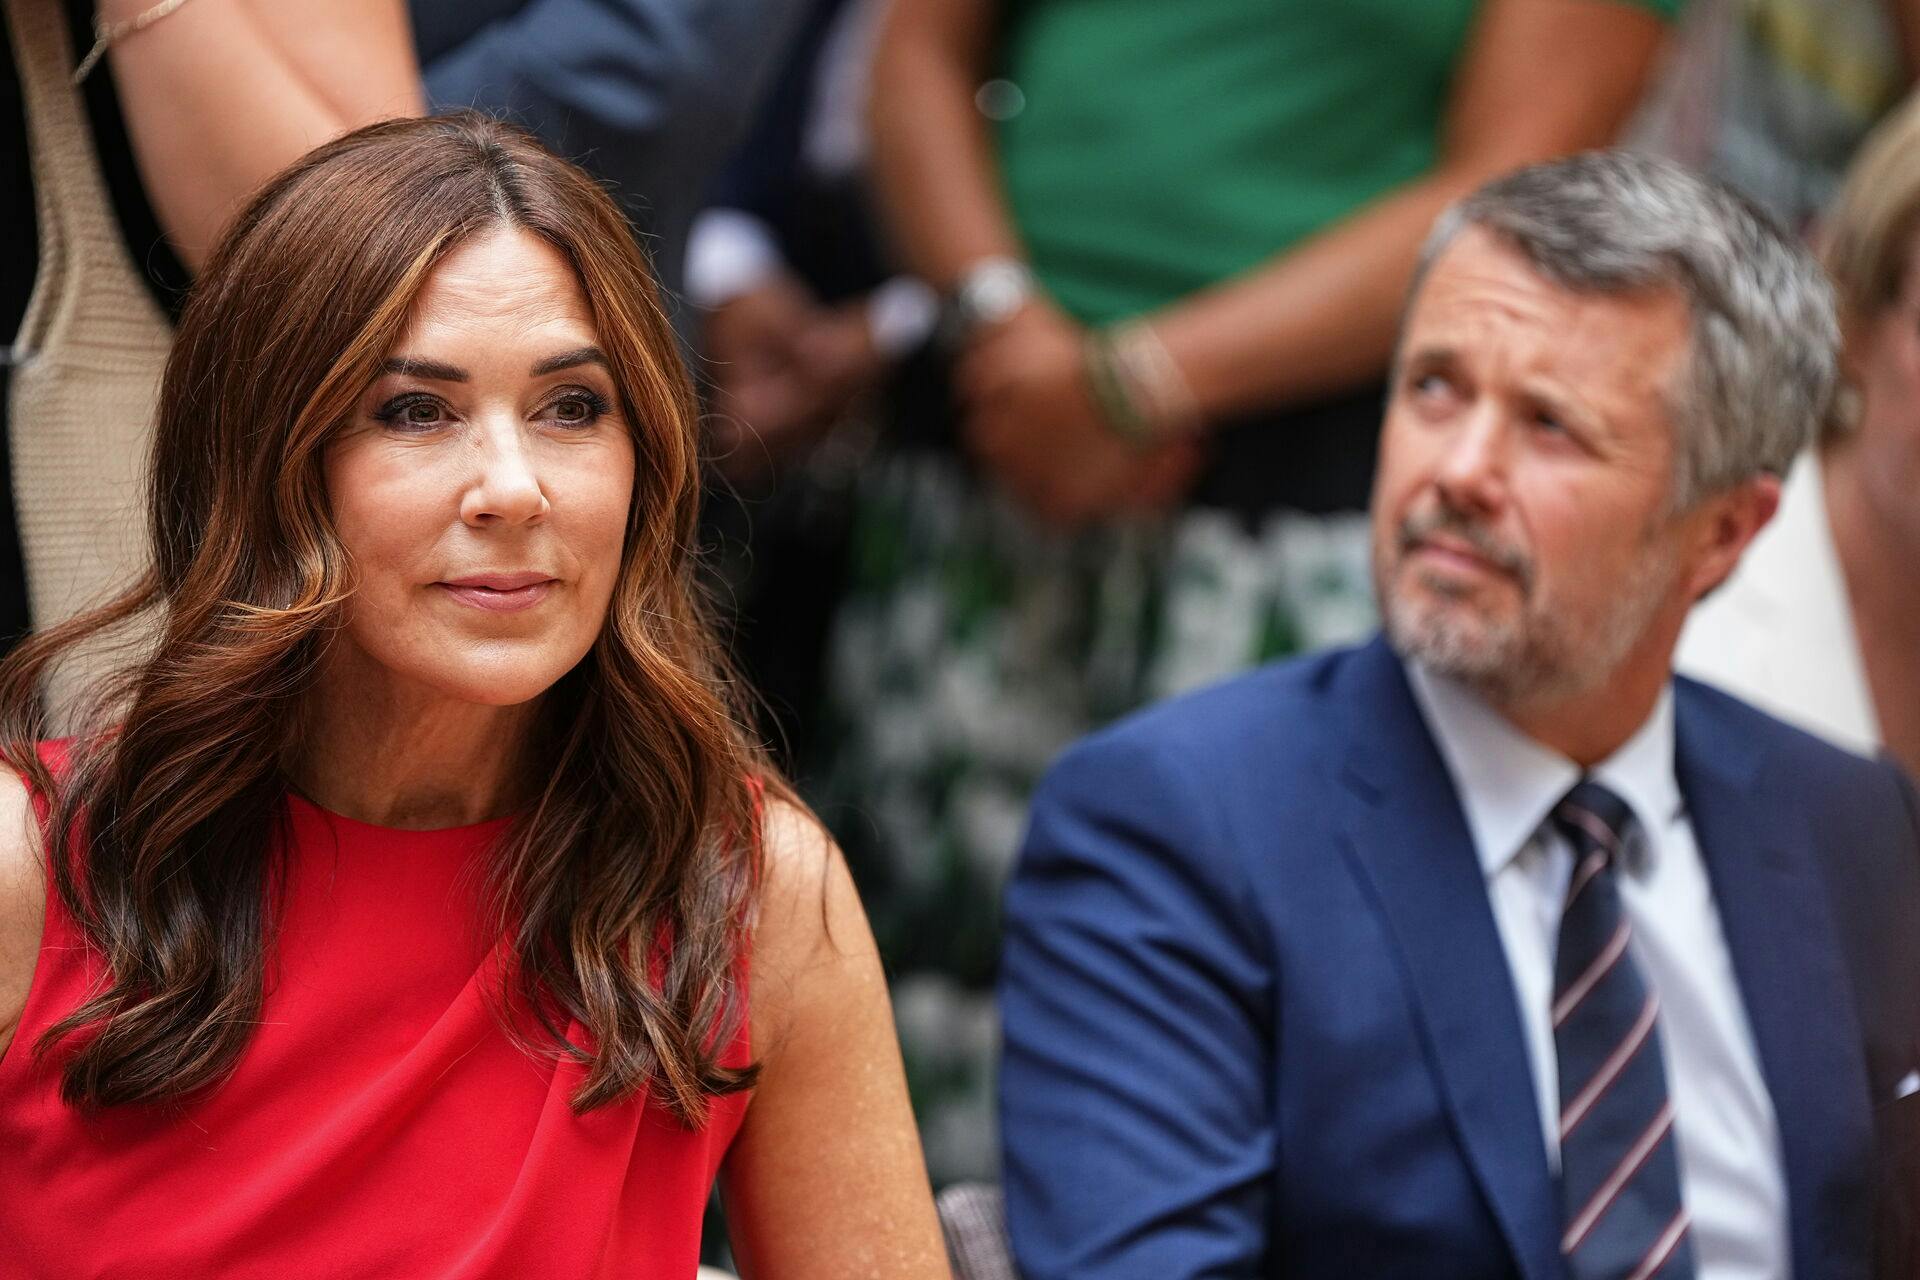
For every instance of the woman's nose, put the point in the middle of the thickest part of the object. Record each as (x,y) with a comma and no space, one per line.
(506,487)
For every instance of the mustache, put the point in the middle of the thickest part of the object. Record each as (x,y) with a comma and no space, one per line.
(1422,525)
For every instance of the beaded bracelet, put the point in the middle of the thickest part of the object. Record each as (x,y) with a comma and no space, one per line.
(1138,386)
(1155,379)
(1111,395)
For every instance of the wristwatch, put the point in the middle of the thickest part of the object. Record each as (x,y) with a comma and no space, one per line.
(989,292)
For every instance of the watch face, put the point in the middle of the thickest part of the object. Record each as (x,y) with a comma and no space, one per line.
(1000,297)
(994,291)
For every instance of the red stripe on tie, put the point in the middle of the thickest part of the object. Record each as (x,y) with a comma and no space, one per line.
(1662,1248)
(1584,874)
(1609,1191)
(1576,1111)
(1592,825)
(1602,965)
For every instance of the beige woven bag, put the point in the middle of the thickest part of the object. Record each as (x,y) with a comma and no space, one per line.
(88,358)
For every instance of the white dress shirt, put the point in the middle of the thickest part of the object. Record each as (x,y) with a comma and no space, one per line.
(1729,1144)
(1780,632)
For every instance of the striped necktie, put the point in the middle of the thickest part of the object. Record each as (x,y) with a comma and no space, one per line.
(1621,1213)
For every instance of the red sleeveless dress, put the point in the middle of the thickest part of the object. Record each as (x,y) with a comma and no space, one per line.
(380,1123)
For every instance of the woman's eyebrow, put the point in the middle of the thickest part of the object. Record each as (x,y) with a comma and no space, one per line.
(417,367)
(569,359)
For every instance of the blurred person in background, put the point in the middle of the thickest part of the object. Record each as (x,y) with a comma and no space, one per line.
(1176,238)
(801,319)
(1775,96)
(178,113)
(800,311)
(649,95)
(1821,625)
(422,905)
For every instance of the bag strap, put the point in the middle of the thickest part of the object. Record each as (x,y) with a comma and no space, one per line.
(86,275)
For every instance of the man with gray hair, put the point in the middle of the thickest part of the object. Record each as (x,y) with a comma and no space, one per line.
(1491,948)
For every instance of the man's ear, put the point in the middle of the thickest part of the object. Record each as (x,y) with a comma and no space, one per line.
(1724,526)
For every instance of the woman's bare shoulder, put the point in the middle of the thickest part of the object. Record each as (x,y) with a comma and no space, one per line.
(23,896)
(811,932)
(825,1178)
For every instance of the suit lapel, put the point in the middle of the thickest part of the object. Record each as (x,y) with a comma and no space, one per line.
(1408,840)
(1773,905)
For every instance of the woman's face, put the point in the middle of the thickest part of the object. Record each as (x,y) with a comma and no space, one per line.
(482,487)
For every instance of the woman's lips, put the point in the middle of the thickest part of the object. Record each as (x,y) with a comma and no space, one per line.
(498,599)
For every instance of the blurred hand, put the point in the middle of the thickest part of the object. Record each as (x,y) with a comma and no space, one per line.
(834,351)
(785,370)
(1031,419)
(762,403)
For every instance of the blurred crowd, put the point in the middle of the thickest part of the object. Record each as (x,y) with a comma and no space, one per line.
(1044,341)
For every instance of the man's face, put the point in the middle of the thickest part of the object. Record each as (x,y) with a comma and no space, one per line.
(1521,536)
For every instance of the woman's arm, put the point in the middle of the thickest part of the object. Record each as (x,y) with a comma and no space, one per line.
(222,94)
(1317,319)
(932,158)
(1540,78)
(825,1179)
(22,901)
(934,167)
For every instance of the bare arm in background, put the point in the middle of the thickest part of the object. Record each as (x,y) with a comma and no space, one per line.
(936,177)
(222,94)
(933,160)
(1314,320)
(1540,78)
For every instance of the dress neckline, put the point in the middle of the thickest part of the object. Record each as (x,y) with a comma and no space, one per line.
(303,808)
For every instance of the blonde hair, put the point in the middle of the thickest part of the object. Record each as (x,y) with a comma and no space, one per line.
(1865,241)
(1868,233)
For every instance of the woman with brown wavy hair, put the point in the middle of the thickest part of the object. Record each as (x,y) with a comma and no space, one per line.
(395,912)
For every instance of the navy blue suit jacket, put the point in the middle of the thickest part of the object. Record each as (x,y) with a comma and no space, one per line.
(1259,1020)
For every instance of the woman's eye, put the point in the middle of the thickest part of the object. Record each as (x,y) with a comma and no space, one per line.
(413,412)
(577,409)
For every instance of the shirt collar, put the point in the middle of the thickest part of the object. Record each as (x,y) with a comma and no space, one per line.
(1508,783)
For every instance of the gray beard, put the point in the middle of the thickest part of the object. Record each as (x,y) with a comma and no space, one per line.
(1543,656)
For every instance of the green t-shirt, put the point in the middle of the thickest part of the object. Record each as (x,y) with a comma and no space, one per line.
(1165,145)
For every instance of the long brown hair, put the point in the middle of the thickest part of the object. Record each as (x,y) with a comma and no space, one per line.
(625,890)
